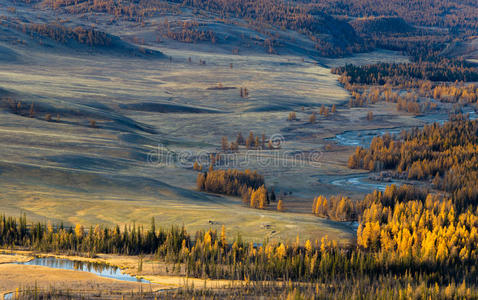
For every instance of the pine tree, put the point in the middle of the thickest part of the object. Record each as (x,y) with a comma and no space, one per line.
(223,236)
(240,139)
(200,181)
(257,143)
(196,166)
(250,140)
(272,195)
(32,110)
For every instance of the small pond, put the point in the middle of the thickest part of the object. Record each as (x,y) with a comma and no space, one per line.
(99,269)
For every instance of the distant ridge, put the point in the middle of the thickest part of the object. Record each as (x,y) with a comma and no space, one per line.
(79,38)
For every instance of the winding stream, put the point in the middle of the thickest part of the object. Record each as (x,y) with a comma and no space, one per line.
(364,137)
(363,183)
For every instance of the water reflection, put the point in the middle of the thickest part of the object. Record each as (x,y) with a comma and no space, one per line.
(364,184)
(99,269)
(362,137)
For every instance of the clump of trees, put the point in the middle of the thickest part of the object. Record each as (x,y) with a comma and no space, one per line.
(259,198)
(229,182)
(187,32)
(248,184)
(62,34)
(252,141)
(381,25)
(337,208)
(132,11)
(341,208)
(445,154)
(423,232)
(411,85)
(406,101)
(130,240)
(19,108)
(443,69)
(455,93)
